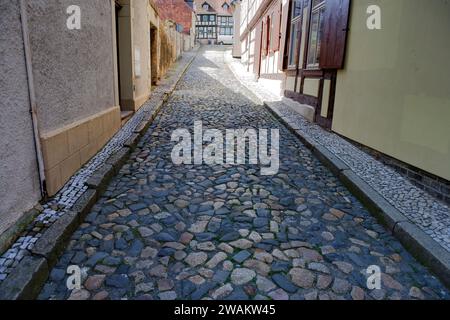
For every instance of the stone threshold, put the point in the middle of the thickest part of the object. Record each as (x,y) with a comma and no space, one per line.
(26,279)
(433,252)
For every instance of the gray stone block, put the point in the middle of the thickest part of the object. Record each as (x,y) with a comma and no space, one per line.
(85,203)
(118,159)
(142,127)
(100,177)
(425,249)
(54,239)
(335,164)
(379,206)
(132,141)
(26,280)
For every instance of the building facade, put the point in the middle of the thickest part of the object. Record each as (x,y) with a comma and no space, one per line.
(70,77)
(182,15)
(214,21)
(373,85)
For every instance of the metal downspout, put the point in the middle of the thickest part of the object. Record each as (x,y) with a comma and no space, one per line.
(32,96)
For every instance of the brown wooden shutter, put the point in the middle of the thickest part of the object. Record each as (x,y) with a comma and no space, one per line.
(267,38)
(282,61)
(258,48)
(264,37)
(276,28)
(334,36)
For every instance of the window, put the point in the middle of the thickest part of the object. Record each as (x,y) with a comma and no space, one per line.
(295,31)
(207,19)
(293,44)
(205,6)
(225,20)
(206,32)
(315,35)
(296,8)
(225,6)
(226,31)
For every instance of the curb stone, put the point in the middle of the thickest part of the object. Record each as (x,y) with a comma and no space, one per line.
(101,177)
(52,242)
(425,249)
(27,279)
(85,203)
(118,159)
(418,243)
(132,141)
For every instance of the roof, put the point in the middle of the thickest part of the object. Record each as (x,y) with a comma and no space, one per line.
(176,10)
(216,6)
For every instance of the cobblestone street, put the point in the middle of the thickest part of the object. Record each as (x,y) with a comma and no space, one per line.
(166,231)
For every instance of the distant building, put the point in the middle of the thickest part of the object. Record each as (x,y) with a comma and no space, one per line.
(214,21)
(182,14)
(190,3)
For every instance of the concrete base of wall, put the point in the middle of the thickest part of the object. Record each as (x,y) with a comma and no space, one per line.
(134,104)
(274,86)
(67,149)
(306,111)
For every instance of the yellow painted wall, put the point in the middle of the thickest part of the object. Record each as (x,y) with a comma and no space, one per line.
(311,87)
(394,92)
(325,98)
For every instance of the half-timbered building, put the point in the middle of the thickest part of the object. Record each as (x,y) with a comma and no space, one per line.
(375,72)
(214,21)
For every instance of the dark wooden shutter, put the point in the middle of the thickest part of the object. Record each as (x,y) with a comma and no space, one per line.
(264,37)
(267,38)
(282,61)
(334,36)
(276,29)
(258,48)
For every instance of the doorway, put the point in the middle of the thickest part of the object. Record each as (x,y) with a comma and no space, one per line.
(118,7)
(154,55)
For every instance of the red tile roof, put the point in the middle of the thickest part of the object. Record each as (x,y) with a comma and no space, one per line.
(177,11)
(216,6)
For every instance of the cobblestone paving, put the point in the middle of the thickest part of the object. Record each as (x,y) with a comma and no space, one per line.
(418,206)
(75,187)
(165,231)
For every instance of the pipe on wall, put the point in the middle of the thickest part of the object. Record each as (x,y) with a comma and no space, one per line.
(32,97)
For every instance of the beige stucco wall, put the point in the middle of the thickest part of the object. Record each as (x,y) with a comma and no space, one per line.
(237,30)
(75,82)
(393,94)
(19,179)
(141,51)
(73,69)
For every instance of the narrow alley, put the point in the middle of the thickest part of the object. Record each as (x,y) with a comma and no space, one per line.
(166,231)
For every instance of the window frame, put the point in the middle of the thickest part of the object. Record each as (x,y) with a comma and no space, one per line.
(295,22)
(319,9)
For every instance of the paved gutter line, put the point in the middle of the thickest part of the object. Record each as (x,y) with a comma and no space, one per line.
(27,279)
(416,241)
